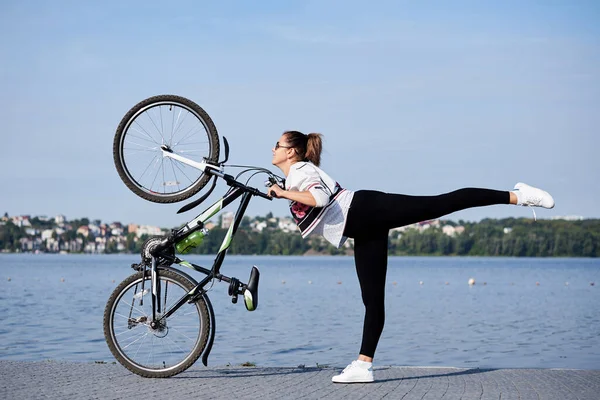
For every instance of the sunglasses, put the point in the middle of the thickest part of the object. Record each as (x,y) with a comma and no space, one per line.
(277,145)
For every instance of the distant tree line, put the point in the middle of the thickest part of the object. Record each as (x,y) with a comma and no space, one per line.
(522,238)
(489,237)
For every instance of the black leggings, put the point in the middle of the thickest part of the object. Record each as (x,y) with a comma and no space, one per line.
(372,214)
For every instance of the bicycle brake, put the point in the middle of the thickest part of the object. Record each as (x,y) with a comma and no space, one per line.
(137,267)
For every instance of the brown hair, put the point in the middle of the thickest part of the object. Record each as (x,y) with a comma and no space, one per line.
(308,147)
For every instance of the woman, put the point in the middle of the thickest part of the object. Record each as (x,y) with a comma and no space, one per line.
(320,206)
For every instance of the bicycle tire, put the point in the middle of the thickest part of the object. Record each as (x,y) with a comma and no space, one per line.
(143,130)
(121,341)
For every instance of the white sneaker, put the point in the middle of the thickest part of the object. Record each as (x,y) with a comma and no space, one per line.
(533,197)
(356,372)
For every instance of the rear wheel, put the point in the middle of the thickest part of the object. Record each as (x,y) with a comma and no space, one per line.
(166,349)
(166,122)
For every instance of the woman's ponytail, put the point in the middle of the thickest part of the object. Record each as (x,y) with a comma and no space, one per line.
(308,147)
(314,146)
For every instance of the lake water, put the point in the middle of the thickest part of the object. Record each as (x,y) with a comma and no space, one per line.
(311,312)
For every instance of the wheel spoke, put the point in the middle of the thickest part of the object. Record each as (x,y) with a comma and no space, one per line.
(156,176)
(141,343)
(136,340)
(177,164)
(188,136)
(180,314)
(178,126)
(132,306)
(191,131)
(149,165)
(160,133)
(150,353)
(143,131)
(127,330)
(176,344)
(132,152)
(175,175)
(161,118)
(194,143)
(189,151)
(182,334)
(129,141)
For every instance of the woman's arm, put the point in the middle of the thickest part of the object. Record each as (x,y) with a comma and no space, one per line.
(304,197)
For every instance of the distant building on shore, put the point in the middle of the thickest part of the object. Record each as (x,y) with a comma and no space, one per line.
(227,220)
(568,217)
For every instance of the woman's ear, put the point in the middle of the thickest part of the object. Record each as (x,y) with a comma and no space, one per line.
(291,153)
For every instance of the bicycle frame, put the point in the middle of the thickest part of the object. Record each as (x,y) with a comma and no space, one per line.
(214,272)
(236,287)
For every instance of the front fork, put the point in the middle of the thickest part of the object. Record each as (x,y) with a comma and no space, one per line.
(156,309)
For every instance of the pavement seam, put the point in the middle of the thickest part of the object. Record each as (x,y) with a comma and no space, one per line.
(515,386)
(397,386)
(490,376)
(577,376)
(559,384)
(447,386)
(415,384)
(583,383)
(315,379)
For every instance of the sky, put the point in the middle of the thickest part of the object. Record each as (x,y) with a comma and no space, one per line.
(412,97)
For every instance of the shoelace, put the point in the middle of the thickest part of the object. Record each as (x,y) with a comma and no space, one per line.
(531,202)
(534,216)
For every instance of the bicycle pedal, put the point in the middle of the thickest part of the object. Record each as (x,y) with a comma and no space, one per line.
(251,292)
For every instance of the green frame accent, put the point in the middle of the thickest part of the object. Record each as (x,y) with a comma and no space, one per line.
(209,212)
(187,264)
(227,239)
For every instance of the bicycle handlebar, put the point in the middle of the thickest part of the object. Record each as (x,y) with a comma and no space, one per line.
(217,170)
(233,183)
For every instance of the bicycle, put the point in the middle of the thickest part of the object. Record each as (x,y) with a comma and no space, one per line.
(159,320)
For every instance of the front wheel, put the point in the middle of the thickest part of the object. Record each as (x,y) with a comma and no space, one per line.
(165,123)
(168,348)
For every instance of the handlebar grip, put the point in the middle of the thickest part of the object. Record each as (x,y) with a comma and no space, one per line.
(261,194)
(257,192)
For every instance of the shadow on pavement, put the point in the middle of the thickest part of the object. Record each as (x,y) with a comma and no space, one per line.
(245,372)
(254,372)
(446,374)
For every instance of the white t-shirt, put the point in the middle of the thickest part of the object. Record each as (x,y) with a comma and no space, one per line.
(335,202)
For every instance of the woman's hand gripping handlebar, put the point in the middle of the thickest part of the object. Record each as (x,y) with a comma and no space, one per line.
(275,189)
